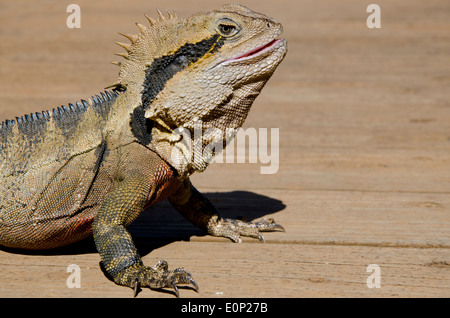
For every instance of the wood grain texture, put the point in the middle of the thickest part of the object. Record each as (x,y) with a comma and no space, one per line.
(364,171)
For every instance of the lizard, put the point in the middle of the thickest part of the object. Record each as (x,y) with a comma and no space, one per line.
(90,168)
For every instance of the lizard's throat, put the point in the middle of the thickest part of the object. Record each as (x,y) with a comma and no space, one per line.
(191,147)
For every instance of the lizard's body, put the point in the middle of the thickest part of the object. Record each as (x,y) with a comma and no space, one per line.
(92,167)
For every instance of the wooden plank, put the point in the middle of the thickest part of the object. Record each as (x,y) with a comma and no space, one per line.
(247,270)
(364,151)
(318,217)
(382,170)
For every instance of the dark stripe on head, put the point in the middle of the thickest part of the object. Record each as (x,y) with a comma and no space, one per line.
(164,68)
(141,127)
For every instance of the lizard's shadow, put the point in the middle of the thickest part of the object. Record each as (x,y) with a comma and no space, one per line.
(161,224)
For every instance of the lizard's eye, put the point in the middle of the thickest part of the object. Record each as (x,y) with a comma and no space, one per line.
(227,28)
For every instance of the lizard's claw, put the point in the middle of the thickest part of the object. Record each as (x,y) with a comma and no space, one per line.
(193,283)
(234,229)
(137,287)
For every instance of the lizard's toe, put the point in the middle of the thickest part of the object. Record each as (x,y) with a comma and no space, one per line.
(182,277)
(158,277)
(269,225)
(234,229)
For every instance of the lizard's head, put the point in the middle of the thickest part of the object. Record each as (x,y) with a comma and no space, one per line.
(194,68)
(209,67)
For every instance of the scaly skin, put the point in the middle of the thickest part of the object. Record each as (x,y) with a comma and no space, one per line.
(93,167)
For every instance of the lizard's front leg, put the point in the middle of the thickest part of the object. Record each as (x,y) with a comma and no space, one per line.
(196,208)
(115,245)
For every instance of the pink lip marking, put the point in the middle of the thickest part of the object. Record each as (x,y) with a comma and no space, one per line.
(264,48)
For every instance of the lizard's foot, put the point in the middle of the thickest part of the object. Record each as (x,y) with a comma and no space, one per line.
(138,275)
(234,229)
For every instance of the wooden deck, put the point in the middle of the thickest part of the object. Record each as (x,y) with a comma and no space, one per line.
(364,170)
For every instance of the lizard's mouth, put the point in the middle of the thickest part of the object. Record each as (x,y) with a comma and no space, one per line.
(259,51)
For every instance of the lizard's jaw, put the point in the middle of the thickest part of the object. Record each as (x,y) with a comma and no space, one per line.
(258,53)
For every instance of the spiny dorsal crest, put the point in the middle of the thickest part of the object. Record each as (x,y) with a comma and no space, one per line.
(152,41)
(29,122)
